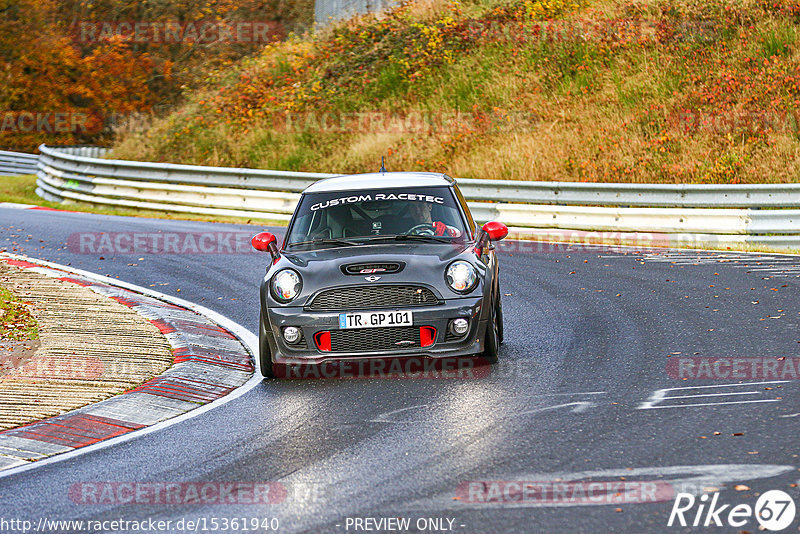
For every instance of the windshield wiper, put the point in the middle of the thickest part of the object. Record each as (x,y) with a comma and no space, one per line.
(326,241)
(414,237)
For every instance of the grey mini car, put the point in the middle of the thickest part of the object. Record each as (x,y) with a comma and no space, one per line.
(381,265)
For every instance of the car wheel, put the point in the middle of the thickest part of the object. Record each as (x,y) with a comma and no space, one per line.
(498,314)
(492,340)
(264,352)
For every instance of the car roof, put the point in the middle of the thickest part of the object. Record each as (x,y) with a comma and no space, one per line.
(377,180)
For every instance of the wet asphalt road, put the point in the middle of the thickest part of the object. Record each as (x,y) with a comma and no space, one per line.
(577,396)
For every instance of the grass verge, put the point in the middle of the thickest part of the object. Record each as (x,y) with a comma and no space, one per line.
(16,321)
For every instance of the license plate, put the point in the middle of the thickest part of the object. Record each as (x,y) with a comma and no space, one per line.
(375,319)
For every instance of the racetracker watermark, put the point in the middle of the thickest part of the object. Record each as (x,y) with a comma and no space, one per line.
(44,367)
(754,122)
(174,32)
(393,368)
(16,122)
(177,493)
(161,243)
(41,368)
(74,122)
(762,368)
(553,493)
(411,122)
(538,241)
(620,31)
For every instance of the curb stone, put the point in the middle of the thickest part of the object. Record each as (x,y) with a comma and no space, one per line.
(210,363)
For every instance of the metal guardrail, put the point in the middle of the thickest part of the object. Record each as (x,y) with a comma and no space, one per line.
(689,214)
(13,163)
(87,151)
(512,191)
(643,195)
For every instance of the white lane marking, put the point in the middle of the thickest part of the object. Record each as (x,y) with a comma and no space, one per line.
(791,266)
(580,407)
(249,340)
(715,394)
(791,415)
(660,395)
(687,257)
(727,385)
(785,266)
(570,394)
(681,479)
(709,404)
(717,475)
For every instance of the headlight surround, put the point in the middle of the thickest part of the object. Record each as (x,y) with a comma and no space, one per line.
(286,285)
(461,276)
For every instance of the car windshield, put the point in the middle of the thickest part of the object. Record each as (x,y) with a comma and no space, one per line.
(350,218)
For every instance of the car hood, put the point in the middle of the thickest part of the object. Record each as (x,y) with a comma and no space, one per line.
(423,264)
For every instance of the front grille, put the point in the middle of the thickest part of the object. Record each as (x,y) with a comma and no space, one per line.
(372,268)
(366,297)
(454,337)
(373,339)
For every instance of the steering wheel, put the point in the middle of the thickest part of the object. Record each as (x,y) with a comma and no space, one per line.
(421,229)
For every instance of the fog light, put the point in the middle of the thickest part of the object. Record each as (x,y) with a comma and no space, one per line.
(459,326)
(291,334)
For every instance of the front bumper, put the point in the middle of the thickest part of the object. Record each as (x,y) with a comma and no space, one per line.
(438,317)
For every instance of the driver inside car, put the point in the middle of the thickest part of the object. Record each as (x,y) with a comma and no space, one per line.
(420,213)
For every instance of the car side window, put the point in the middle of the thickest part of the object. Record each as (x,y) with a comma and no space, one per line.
(465,207)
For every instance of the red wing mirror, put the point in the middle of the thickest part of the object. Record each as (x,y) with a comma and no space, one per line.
(495,230)
(266,242)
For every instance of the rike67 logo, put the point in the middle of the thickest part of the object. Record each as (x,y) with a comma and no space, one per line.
(774,511)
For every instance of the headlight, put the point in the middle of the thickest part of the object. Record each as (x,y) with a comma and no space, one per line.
(286,285)
(461,276)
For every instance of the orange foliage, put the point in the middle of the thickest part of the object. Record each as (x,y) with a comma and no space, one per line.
(57,87)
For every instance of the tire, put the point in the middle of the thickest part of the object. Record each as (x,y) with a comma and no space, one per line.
(492,339)
(264,352)
(499,318)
